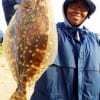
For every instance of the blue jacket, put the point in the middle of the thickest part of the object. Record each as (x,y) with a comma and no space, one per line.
(8,6)
(1,36)
(67,80)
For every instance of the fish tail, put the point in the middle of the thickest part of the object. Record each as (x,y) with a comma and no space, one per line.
(18,95)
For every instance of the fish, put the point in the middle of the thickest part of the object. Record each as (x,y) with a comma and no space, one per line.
(30,44)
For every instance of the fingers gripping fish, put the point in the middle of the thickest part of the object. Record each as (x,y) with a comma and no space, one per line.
(30,44)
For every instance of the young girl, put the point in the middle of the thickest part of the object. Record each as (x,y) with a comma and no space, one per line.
(75,74)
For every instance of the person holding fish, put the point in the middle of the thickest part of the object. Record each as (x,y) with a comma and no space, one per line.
(75,74)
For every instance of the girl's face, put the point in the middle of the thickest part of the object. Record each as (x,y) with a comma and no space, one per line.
(76,13)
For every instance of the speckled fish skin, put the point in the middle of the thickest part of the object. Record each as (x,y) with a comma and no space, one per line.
(30,44)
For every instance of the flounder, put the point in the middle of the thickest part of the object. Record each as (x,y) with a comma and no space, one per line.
(30,44)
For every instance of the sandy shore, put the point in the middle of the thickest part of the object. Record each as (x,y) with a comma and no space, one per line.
(7,83)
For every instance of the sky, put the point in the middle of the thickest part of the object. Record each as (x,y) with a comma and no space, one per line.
(92,23)
(2,19)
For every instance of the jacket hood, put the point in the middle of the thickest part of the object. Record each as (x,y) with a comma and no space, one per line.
(89,3)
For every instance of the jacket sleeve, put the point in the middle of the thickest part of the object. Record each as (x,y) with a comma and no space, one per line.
(98,42)
(97,35)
